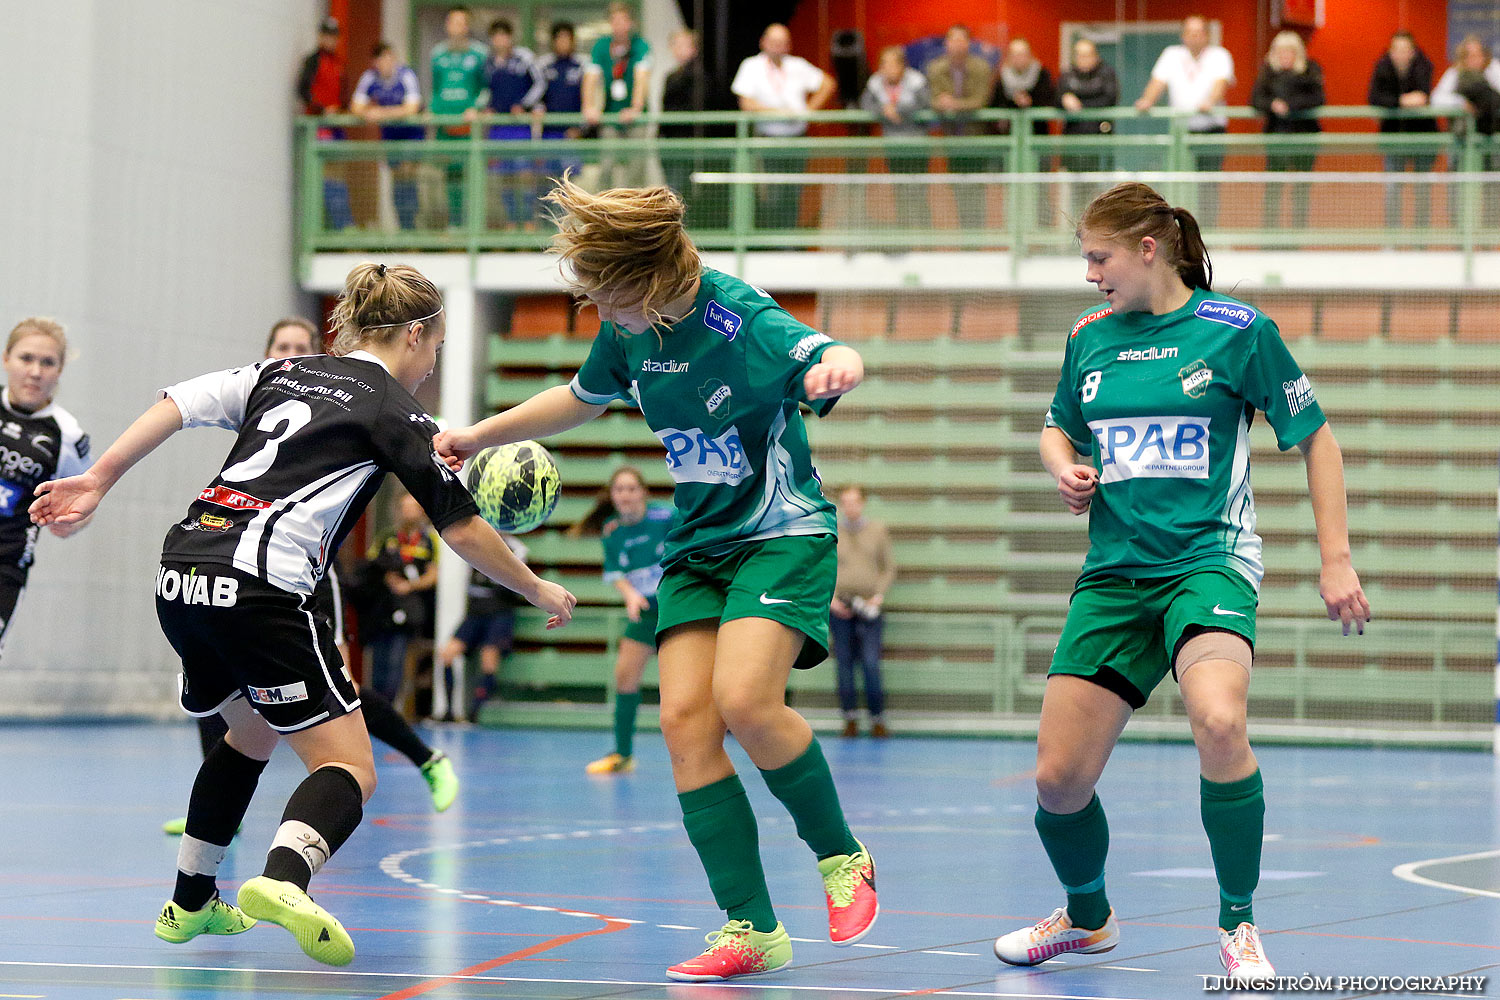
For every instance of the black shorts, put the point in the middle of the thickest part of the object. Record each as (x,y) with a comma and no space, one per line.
(240,637)
(498,630)
(328,599)
(12,586)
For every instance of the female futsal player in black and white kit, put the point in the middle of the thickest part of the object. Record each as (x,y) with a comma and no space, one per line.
(39,440)
(235,589)
(294,337)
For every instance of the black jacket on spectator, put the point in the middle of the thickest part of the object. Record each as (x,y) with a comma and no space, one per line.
(1485,100)
(690,88)
(1097,88)
(1387,86)
(1043,95)
(1301,91)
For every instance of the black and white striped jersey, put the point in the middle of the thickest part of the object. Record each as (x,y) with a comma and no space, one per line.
(316,436)
(34,447)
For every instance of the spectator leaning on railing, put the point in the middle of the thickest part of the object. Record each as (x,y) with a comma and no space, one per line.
(562,72)
(1288,83)
(320,88)
(1472,84)
(895,95)
(457,84)
(1023,82)
(616,80)
(515,84)
(1195,76)
(1403,79)
(961,81)
(689,88)
(389,90)
(1087,82)
(775,81)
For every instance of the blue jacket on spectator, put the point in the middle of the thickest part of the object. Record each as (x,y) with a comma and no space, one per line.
(514,80)
(392,93)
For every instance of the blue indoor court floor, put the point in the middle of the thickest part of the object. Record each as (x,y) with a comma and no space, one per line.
(542,882)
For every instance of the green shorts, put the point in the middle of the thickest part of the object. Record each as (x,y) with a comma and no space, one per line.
(1124,635)
(788,580)
(643,631)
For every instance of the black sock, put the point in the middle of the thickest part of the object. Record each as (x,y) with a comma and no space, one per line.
(387,726)
(221,794)
(321,814)
(211,729)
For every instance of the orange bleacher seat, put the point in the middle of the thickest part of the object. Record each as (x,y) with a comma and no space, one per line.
(1356,319)
(1419,321)
(987,317)
(923,316)
(857,316)
(534,316)
(585,323)
(1477,319)
(802,305)
(1295,315)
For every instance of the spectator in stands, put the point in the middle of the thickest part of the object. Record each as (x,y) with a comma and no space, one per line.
(458,70)
(895,95)
(387,91)
(1023,83)
(1288,86)
(616,80)
(1403,79)
(775,81)
(690,88)
(1195,76)
(563,93)
(961,81)
(515,84)
(320,88)
(405,557)
(1473,84)
(857,622)
(1087,82)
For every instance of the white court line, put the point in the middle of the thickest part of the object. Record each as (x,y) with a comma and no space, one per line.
(884,991)
(1128,968)
(1408,872)
(961,954)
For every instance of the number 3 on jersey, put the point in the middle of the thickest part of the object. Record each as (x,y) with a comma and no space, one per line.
(1090,387)
(294,415)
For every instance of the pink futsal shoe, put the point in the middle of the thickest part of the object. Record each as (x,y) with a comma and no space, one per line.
(1244,960)
(1055,936)
(849,883)
(736,949)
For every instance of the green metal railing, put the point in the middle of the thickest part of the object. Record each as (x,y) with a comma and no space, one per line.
(746,192)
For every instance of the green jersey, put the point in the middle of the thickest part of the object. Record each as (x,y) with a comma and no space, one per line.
(1163,404)
(633,552)
(619,68)
(457,77)
(720,388)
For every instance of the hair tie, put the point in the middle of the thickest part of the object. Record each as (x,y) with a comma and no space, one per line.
(380,270)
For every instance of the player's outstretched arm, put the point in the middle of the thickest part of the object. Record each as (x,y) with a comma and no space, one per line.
(72,500)
(482,547)
(1075,482)
(1337,582)
(840,370)
(549,412)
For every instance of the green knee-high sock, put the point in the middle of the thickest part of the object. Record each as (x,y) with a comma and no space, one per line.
(1234,816)
(1077,843)
(722,828)
(805,787)
(625,706)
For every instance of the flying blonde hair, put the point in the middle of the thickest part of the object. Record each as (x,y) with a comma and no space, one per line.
(626,241)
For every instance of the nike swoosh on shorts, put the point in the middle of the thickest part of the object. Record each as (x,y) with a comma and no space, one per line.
(1220,611)
(774,600)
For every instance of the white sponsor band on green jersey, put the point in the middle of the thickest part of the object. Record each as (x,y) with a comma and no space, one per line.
(1162,407)
(633,552)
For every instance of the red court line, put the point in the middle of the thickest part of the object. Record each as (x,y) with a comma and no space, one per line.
(516,956)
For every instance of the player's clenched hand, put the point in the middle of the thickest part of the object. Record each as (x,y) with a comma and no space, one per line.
(67,501)
(455,447)
(1339,586)
(635,606)
(554,598)
(826,379)
(1076,486)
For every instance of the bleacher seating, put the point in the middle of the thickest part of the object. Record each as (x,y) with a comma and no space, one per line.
(944,434)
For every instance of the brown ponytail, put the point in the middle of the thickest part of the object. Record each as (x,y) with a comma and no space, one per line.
(1127,213)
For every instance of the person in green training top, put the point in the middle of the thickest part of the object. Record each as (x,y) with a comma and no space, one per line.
(458,80)
(719,370)
(616,80)
(1149,433)
(635,539)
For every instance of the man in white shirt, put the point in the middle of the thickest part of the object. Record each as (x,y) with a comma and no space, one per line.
(1195,76)
(772,81)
